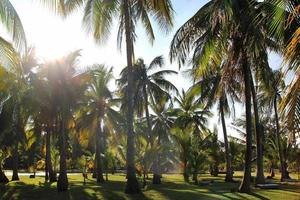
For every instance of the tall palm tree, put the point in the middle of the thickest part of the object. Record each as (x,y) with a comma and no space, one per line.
(69,86)
(162,123)
(270,98)
(148,86)
(212,89)
(18,88)
(45,94)
(286,28)
(97,19)
(190,121)
(225,25)
(260,179)
(97,111)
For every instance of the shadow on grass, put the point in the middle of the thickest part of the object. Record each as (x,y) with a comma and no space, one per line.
(114,190)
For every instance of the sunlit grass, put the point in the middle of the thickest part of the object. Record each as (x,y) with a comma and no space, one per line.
(173,187)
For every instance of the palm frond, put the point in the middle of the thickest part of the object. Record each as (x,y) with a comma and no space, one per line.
(11,21)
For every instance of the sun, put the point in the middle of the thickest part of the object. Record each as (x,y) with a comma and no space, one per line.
(55,41)
(52,36)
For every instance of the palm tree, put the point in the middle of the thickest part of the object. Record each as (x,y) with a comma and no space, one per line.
(97,111)
(45,94)
(285,27)
(183,139)
(260,179)
(6,138)
(129,13)
(212,89)
(229,27)
(147,149)
(18,88)
(190,112)
(190,121)
(69,86)
(162,123)
(148,87)
(214,152)
(270,97)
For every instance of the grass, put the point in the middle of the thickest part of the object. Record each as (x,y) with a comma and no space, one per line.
(173,188)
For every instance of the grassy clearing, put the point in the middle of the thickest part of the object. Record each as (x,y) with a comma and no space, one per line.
(173,188)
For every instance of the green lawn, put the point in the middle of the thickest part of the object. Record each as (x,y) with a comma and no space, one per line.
(172,188)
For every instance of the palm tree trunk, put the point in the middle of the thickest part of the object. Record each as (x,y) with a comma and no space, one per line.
(156,168)
(99,163)
(284,174)
(15,176)
(49,169)
(195,177)
(156,176)
(246,182)
(144,178)
(185,171)
(62,183)
(260,178)
(3,178)
(228,177)
(132,185)
(47,159)
(149,124)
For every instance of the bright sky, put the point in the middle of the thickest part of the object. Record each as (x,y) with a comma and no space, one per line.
(54,37)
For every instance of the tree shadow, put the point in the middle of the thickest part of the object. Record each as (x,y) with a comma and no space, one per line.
(114,190)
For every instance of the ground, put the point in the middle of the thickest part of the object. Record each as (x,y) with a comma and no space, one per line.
(173,188)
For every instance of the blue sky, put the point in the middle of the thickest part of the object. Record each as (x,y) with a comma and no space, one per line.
(54,37)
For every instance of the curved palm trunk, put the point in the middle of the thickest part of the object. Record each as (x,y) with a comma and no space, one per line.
(99,163)
(260,178)
(62,183)
(3,178)
(246,182)
(15,176)
(132,185)
(50,175)
(229,174)
(283,164)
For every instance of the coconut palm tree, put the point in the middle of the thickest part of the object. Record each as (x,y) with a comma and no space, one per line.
(190,112)
(149,85)
(17,86)
(212,89)
(285,27)
(69,86)
(190,123)
(97,19)
(162,122)
(230,26)
(46,107)
(97,111)
(183,139)
(270,97)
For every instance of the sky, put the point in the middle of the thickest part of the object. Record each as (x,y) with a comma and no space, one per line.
(54,37)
